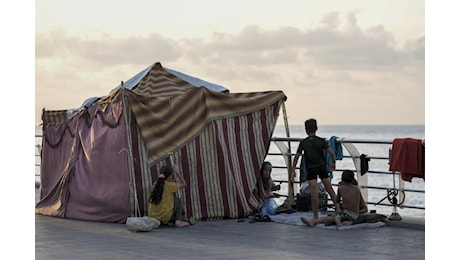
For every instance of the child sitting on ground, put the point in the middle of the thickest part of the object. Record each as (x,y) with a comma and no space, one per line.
(353,205)
(269,206)
(164,205)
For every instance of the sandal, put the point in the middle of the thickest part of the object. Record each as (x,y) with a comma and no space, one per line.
(192,221)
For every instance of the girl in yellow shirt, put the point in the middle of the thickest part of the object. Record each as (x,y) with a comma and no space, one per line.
(163,204)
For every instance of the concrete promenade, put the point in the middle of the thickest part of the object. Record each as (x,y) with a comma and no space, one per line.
(57,238)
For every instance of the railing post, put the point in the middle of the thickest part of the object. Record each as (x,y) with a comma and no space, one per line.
(290,199)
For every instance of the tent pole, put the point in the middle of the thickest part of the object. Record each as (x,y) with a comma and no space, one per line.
(290,199)
(134,205)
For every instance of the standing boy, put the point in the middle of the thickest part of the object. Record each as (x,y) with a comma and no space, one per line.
(313,148)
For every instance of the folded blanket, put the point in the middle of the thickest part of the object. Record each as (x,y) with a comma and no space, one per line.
(294,219)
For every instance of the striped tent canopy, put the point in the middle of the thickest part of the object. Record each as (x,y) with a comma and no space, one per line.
(100,163)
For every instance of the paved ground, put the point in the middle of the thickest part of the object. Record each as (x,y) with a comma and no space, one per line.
(57,238)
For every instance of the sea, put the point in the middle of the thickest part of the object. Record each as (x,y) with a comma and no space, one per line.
(355,132)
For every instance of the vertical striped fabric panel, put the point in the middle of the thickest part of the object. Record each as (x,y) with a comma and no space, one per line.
(221,165)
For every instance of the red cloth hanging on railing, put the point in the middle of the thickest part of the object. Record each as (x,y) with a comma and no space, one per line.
(408,157)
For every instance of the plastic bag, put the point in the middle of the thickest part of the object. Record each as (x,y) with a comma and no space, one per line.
(269,207)
(305,189)
(142,224)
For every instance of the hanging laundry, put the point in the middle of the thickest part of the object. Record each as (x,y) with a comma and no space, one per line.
(408,157)
(337,148)
(364,164)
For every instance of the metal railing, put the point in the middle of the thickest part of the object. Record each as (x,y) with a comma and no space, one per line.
(38,149)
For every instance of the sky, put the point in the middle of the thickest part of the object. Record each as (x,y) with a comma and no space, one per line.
(354,62)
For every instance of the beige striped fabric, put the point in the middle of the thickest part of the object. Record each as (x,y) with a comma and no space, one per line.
(160,83)
(171,111)
(54,117)
(168,122)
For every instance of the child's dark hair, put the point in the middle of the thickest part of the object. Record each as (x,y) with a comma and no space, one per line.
(265,181)
(311,125)
(157,193)
(349,177)
(265,164)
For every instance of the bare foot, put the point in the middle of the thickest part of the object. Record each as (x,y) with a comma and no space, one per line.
(307,222)
(347,223)
(179,223)
(338,221)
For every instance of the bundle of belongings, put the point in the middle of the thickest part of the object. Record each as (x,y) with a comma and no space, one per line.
(141,224)
(303,198)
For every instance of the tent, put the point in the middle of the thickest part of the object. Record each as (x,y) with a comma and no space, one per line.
(99,162)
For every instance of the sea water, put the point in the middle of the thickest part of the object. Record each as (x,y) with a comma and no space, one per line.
(366,132)
(362,132)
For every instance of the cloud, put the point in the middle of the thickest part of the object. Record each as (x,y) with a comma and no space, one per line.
(106,50)
(326,45)
(334,56)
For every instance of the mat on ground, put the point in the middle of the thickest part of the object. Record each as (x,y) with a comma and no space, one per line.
(294,219)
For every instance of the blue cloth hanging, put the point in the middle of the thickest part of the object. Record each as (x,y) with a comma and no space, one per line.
(337,148)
